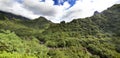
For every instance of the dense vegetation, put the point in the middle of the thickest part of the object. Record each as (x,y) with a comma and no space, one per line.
(93,37)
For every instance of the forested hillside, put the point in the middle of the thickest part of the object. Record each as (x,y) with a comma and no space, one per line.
(93,37)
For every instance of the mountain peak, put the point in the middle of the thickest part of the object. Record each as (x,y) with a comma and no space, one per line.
(96,12)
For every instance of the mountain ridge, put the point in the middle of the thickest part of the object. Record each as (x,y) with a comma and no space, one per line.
(12,16)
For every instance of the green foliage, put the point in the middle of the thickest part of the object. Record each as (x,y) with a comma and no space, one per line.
(14,55)
(9,41)
(17,47)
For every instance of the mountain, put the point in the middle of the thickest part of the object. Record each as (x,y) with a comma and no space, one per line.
(92,37)
(11,16)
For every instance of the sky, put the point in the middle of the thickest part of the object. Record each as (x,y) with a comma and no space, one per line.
(56,10)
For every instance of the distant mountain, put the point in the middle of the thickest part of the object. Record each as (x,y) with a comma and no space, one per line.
(19,23)
(11,16)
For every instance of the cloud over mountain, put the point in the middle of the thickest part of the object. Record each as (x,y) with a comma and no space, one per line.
(57,10)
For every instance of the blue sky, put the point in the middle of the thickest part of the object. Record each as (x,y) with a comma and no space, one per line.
(61,2)
(58,2)
(56,10)
(20,1)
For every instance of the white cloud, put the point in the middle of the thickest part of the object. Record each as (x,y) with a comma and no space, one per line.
(34,8)
(118,2)
(16,8)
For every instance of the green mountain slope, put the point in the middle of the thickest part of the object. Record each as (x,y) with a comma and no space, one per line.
(93,37)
